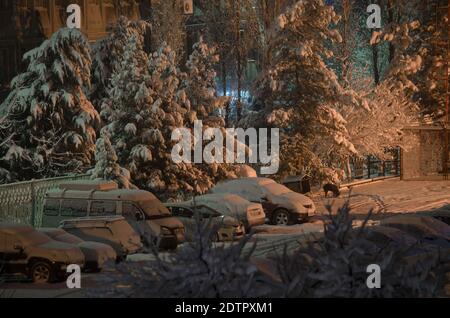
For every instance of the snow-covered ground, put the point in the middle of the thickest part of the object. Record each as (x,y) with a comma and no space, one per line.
(397,197)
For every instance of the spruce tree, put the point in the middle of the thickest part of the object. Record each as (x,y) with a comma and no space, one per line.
(49,123)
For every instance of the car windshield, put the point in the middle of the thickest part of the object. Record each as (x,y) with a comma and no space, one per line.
(33,238)
(154,208)
(276,189)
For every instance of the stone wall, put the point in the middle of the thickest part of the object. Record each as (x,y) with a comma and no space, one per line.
(423,157)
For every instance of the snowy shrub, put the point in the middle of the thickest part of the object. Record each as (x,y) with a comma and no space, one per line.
(49,124)
(336,266)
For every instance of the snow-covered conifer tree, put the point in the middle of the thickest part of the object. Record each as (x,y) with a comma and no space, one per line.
(200,82)
(49,124)
(298,91)
(107,53)
(146,105)
(106,167)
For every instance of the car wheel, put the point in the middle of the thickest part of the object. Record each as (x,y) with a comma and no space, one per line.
(281,217)
(41,272)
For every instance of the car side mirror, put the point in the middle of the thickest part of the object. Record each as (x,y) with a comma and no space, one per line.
(18,247)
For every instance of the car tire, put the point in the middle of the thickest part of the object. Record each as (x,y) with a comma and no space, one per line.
(281,217)
(41,272)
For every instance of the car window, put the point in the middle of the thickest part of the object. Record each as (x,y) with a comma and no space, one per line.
(101,208)
(207,212)
(51,207)
(131,210)
(183,212)
(275,189)
(154,208)
(72,207)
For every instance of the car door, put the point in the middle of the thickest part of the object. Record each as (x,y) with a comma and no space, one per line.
(14,254)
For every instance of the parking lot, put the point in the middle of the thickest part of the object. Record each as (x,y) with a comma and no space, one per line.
(396,197)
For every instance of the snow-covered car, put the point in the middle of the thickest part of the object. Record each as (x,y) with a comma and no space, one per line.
(96,254)
(281,205)
(419,226)
(227,227)
(23,250)
(249,213)
(145,213)
(114,231)
(415,249)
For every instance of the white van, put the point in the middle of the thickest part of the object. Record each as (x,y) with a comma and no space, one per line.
(90,199)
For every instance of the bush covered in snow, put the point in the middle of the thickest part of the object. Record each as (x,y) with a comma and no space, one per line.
(336,266)
(49,125)
(332,266)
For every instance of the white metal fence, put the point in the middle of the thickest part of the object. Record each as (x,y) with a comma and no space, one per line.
(21,202)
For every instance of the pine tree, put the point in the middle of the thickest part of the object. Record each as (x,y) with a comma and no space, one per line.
(49,123)
(146,105)
(106,167)
(298,92)
(200,82)
(418,59)
(106,54)
(200,86)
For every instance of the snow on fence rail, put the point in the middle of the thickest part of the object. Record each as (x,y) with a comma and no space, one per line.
(22,202)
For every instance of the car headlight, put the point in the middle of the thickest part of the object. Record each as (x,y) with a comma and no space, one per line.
(166,231)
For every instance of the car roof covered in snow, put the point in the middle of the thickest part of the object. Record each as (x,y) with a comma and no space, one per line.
(245,181)
(10,228)
(88,185)
(417,225)
(121,195)
(223,203)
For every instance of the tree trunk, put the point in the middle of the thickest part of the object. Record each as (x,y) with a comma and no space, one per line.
(238,61)
(376,71)
(224,91)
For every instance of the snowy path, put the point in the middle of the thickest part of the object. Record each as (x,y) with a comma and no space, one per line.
(397,197)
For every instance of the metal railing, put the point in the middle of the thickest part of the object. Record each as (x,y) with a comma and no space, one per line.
(22,202)
(372,168)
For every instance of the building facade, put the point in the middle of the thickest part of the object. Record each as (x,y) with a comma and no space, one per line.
(24,24)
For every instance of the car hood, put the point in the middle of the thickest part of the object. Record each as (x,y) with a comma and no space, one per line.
(169,222)
(230,221)
(99,249)
(292,200)
(59,252)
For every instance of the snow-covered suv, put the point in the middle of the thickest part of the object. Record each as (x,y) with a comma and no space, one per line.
(27,251)
(281,205)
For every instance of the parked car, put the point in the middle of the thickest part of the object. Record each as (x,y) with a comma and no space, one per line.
(114,231)
(281,205)
(415,249)
(95,254)
(148,216)
(249,213)
(419,226)
(228,228)
(27,251)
